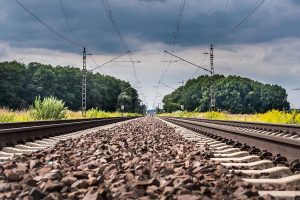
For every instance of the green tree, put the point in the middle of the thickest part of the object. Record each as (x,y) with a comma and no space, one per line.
(20,84)
(233,94)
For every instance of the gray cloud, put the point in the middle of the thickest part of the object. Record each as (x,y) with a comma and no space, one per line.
(145,21)
(153,0)
(264,48)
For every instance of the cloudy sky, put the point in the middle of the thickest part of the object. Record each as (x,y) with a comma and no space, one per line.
(265,47)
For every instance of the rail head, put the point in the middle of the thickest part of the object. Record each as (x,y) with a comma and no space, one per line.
(8,125)
(12,136)
(287,128)
(279,145)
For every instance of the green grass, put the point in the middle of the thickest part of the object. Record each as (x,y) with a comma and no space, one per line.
(51,108)
(7,115)
(273,116)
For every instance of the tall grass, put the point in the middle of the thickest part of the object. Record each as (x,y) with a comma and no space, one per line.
(273,116)
(7,115)
(97,113)
(52,108)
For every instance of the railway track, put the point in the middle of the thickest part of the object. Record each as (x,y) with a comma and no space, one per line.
(144,158)
(263,153)
(27,137)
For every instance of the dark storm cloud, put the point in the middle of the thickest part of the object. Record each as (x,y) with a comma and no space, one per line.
(153,0)
(144,21)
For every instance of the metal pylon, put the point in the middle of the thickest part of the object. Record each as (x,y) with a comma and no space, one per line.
(83,101)
(212,73)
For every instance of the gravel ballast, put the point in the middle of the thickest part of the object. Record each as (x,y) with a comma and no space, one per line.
(141,159)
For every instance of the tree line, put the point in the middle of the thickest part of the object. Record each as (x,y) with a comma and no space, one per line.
(234,94)
(20,84)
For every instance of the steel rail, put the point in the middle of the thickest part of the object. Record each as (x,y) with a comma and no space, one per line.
(9,125)
(20,133)
(290,148)
(284,128)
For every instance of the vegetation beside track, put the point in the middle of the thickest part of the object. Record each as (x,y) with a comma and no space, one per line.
(273,116)
(20,84)
(51,108)
(7,115)
(234,94)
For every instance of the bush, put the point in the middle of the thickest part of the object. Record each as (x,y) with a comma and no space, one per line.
(48,108)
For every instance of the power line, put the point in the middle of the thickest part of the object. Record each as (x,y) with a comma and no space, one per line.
(179,20)
(173,43)
(171,46)
(204,57)
(166,85)
(241,22)
(49,27)
(94,61)
(222,21)
(66,18)
(109,61)
(125,46)
(112,19)
(200,67)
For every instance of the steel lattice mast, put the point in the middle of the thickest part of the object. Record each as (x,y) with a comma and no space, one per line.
(212,73)
(84,72)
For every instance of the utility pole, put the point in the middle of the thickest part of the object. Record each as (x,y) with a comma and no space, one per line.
(83,100)
(212,73)
(182,106)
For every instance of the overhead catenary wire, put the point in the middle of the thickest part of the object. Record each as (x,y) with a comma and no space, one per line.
(240,23)
(204,57)
(223,17)
(113,21)
(167,85)
(173,42)
(115,25)
(94,61)
(179,20)
(171,45)
(109,61)
(49,27)
(61,35)
(200,67)
(72,33)
(220,31)
(66,18)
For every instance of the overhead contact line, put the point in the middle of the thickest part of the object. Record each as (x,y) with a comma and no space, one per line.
(240,23)
(50,28)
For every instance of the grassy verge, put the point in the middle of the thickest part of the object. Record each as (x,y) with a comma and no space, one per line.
(273,116)
(7,115)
